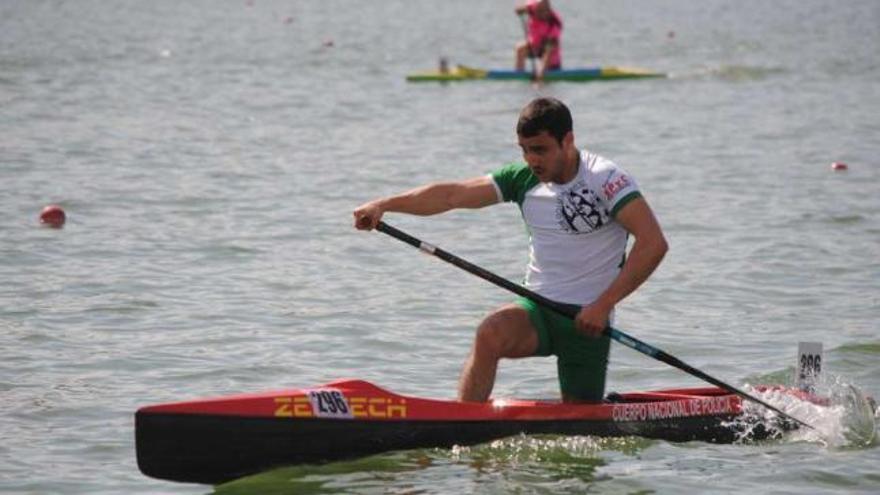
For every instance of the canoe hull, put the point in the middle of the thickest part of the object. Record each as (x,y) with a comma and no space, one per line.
(211,449)
(216,440)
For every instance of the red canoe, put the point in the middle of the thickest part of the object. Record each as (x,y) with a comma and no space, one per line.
(220,439)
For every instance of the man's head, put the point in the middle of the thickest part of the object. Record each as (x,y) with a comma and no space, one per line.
(544,114)
(542,8)
(544,132)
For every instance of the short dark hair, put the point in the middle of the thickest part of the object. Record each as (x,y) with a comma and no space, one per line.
(544,114)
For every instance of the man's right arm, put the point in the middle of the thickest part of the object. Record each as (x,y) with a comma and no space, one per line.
(430,199)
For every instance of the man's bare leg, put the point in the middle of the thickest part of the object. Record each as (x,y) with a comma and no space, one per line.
(506,333)
(520,54)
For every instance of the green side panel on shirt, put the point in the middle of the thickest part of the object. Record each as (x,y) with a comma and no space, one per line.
(514,180)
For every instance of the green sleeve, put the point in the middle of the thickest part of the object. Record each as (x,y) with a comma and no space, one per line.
(514,180)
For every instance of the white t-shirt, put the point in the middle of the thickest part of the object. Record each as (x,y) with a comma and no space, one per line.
(576,248)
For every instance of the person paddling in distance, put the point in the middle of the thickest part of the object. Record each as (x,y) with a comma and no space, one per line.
(543,37)
(579,209)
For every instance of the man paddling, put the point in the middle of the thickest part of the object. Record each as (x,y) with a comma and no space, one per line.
(579,209)
(543,37)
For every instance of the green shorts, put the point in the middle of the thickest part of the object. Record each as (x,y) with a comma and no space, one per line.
(581,362)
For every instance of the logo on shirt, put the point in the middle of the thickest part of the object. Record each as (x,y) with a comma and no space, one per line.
(580,211)
(614,186)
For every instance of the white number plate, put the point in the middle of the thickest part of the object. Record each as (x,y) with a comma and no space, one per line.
(329,403)
(809,365)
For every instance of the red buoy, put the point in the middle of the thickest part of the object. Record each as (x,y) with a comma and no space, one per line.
(838,166)
(53,216)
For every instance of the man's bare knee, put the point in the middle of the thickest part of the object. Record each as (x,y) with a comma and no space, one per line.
(490,337)
(506,333)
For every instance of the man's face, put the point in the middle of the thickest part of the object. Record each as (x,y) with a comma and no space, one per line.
(542,10)
(545,156)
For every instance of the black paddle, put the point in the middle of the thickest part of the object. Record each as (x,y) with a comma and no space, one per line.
(531,55)
(571,311)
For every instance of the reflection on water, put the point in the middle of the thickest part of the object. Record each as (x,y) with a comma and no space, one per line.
(368,473)
(540,463)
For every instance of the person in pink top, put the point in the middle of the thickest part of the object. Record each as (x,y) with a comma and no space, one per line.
(543,33)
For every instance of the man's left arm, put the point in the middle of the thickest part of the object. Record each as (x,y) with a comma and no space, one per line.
(648,250)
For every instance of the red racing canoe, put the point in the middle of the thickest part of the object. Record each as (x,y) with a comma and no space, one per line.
(216,440)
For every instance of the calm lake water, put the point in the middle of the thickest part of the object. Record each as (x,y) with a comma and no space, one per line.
(209,154)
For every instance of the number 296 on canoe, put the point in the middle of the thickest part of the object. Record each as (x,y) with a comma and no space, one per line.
(332,403)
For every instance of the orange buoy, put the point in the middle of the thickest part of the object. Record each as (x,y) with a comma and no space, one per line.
(53,216)
(839,166)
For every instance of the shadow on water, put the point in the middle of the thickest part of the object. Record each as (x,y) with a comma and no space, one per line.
(543,463)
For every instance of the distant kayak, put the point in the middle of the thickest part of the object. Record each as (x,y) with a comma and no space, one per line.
(582,74)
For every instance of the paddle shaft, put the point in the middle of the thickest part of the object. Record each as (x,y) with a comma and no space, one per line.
(531,56)
(571,311)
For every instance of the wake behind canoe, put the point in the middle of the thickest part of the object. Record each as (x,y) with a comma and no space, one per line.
(584,74)
(217,440)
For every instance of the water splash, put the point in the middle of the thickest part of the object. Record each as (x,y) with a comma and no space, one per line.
(851,416)
(841,414)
